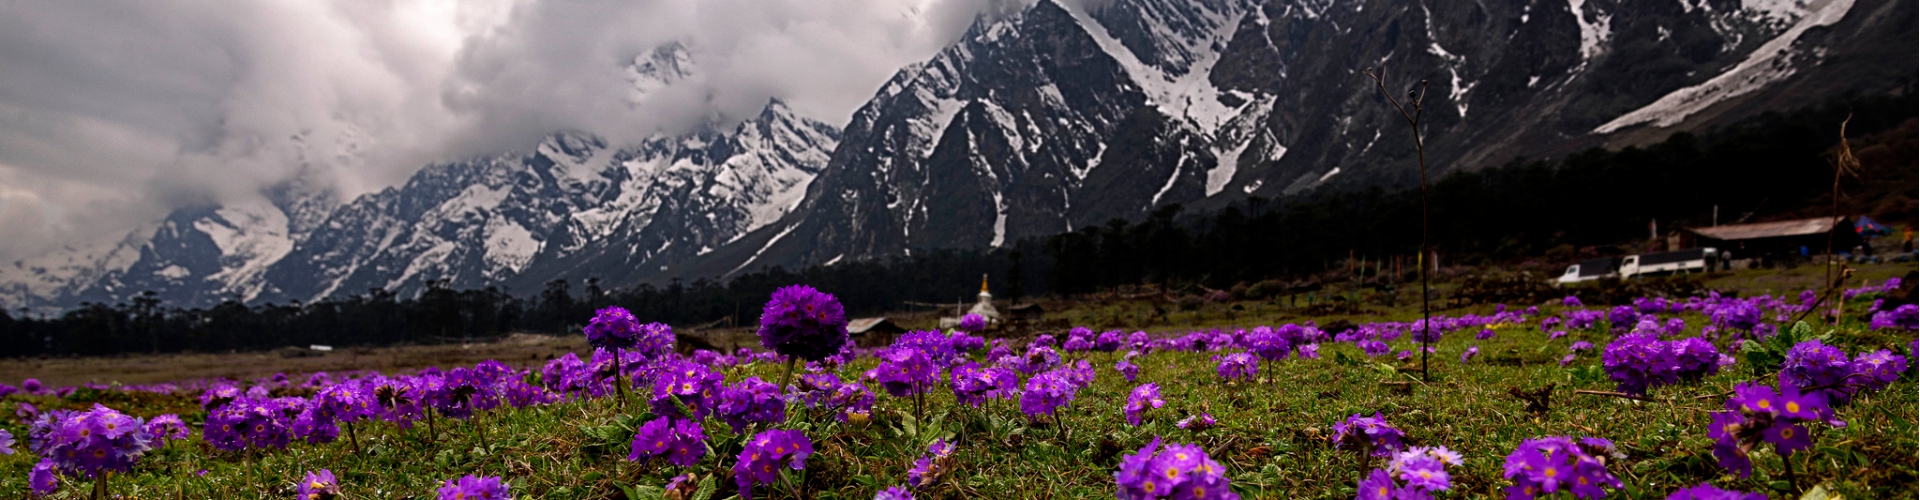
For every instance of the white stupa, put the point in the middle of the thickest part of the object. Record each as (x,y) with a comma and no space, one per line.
(984,307)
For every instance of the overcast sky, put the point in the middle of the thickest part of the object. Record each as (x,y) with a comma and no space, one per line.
(114,112)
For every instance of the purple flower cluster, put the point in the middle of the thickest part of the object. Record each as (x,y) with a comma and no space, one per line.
(678,383)
(1905,317)
(749,401)
(1548,465)
(760,461)
(893,493)
(1756,414)
(846,400)
(253,423)
(1640,361)
(973,385)
(1470,353)
(804,323)
(1141,399)
(1373,348)
(930,467)
(1370,435)
(972,323)
(613,328)
(1422,469)
(906,371)
(1174,471)
(1814,366)
(1047,392)
(1238,365)
(84,444)
(474,488)
(682,441)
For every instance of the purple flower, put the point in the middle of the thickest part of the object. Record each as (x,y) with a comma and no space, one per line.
(905,371)
(1556,463)
(765,453)
(1047,392)
(693,385)
(1580,345)
(1423,469)
(1557,335)
(31,386)
(318,485)
(613,328)
(930,467)
(1485,333)
(1144,397)
(1570,301)
(1197,423)
(1371,435)
(1470,353)
(749,401)
(803,323)
(1268,344)
(1309,351)
(682,442)
(42,478)
(1758,414)
(474,488)
(6,442)
(972,323)
(1238,365)
(1372,348)
(1812,364)
(893,493)
(1379,486)
(1706,491)
(1126,367)
(1038,359)
(1174,471)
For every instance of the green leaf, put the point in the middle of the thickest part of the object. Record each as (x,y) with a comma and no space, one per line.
(706,489)
(647,492)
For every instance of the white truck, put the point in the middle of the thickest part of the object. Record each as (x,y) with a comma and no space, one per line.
(1692,260)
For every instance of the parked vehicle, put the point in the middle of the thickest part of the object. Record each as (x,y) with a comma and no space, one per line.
(1692,260)
(1676,262)
(1592,269)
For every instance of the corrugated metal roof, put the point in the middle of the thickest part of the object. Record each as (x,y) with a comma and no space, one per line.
(861,325)
(1800,227)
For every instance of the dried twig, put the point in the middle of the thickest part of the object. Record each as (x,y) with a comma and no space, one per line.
(1619,395)
(1414,98)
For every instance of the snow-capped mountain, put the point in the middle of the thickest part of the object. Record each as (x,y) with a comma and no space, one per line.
(575,206)
(1059,118)
(1061,115)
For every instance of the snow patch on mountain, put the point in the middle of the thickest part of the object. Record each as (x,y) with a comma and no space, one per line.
(1765,65)
(1595,29)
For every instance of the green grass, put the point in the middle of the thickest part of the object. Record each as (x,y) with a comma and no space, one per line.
(1272,438)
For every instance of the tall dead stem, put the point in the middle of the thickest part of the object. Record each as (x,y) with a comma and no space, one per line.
(1414,99)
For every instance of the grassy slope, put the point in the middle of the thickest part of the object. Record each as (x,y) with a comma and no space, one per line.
(1271,439)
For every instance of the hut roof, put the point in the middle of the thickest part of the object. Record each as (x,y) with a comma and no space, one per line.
(1801,227)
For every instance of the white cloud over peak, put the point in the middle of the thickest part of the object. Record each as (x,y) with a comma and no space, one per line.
(113,113)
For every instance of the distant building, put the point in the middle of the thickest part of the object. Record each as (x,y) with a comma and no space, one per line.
(983,307)
(873,332)
(1782,238)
